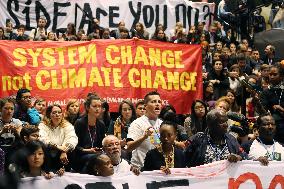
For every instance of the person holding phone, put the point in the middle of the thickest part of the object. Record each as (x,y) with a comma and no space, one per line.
(90,131)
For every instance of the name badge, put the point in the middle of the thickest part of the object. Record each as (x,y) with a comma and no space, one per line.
(155,139)
(277,156)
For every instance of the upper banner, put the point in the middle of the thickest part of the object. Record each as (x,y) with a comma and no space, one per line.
(110,12)
(115,69)
(219,175)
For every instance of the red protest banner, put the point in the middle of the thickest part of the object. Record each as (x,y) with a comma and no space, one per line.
(115,69)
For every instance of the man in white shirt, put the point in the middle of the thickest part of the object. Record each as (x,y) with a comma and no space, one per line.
(112,148)
(39,33)
(143,133)
(265,148)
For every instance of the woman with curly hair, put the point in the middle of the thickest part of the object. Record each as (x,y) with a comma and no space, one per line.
(59,135)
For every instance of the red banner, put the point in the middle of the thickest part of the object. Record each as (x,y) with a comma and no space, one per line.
(115,69)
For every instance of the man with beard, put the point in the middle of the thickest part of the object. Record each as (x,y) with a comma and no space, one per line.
(264,148)
(269,55)
(215,144)
(39,33)
(143,133)
(112,148)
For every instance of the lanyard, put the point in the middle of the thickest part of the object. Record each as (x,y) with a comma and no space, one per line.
(270,156)
(279,100)
(91,137)
(215,150)
(156,130)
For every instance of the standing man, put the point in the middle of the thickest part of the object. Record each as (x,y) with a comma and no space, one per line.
(143,132)
(39,33)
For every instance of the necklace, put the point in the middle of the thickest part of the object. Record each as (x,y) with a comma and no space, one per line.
(3,122)
(279,100)
(170,158)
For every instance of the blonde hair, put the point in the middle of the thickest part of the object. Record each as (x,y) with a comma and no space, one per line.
(70,102)
(223,99)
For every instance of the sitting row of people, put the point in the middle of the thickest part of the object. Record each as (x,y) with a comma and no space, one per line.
(213,145)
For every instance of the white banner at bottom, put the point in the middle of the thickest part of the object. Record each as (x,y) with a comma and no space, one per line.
(218,175)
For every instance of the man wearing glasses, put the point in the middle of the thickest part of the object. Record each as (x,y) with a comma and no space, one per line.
(24,110)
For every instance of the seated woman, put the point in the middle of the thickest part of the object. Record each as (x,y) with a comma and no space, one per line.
(90,131)
(160,36)
(196,122)
(105,115)
(7,122)
(127,114)
(208,89)
(165,156)
(72,110)
(140,32)
(168,113)
(119,128)
(35,161)
(100,165)
(59,135)
(9,127)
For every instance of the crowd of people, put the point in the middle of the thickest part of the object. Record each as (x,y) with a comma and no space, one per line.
(242,108)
